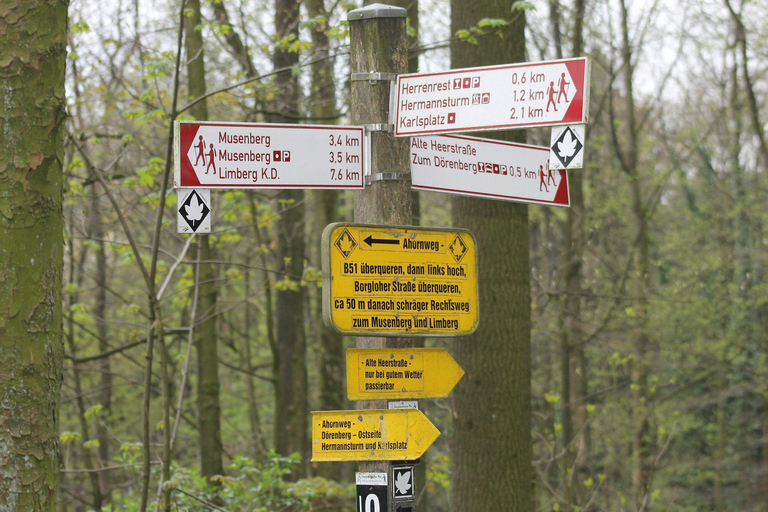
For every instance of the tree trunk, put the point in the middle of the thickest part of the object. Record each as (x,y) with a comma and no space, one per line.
(32,64)
(572,338)
(97,233)
(74,298)
(492,450)
(291,406)
(259,445)
(205,336)
(642,441)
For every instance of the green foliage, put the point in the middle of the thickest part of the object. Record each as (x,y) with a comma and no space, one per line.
(221,29)
(252,486)
(79,27)
(522,5)
(316,23)
(293,44)
(468,36)
(92,444)
(492,23)
(69,437)
(94,410)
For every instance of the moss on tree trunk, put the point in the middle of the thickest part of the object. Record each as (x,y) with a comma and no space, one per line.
(32,64)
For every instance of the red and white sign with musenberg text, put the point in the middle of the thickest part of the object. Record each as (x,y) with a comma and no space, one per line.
(487,168)
(493,98)
(235,155)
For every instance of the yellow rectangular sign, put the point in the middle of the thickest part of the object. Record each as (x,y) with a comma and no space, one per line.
(396,434)
(400,373)
(399,280)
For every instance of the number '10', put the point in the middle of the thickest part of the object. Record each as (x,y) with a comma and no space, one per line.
(371,503)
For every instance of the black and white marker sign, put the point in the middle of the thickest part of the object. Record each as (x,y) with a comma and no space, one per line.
(567,147)
(194,210)
(402,482)
(371,492)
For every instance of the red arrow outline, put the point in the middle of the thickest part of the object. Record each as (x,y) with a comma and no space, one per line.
(187,175)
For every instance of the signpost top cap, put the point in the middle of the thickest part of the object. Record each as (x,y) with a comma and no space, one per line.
(377,11)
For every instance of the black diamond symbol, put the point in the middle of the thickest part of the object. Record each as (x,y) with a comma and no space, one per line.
(345,244)
(567,147)
(458,248)
(194,210)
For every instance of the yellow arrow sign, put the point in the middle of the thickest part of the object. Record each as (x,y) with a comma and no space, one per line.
(401,373)
(397,434)
(399,280)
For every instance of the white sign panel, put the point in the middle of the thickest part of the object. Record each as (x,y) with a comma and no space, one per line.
(492,98)
(232,155)
(403,404)
(371,492)
(194,210)
(371,479)
(567,147)
(493,169)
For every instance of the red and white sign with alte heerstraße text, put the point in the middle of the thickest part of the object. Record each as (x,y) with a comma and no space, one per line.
(522,95)
(487,168)
(251,155)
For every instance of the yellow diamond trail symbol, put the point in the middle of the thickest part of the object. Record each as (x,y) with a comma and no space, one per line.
(345,244)
(458,248)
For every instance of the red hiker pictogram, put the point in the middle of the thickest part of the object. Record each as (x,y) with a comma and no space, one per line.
(211,160)
(200,147)
(542,183)
(562,85)
(551,93)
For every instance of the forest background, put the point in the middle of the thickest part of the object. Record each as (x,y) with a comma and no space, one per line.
(648,356)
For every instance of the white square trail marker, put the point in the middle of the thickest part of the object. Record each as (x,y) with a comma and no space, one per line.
(567,147)
(193,207)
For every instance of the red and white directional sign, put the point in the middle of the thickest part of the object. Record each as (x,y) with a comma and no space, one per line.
(492,98)
(493,169)
(232,155)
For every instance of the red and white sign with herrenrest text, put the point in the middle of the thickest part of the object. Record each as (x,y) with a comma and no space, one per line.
(237,155)
(487,168)
(492,98)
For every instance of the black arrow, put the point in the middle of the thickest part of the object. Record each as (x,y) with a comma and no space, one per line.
(370,241)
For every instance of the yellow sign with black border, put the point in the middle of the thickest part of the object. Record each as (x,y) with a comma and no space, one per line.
(399,280)
(400,373)
(386,434)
